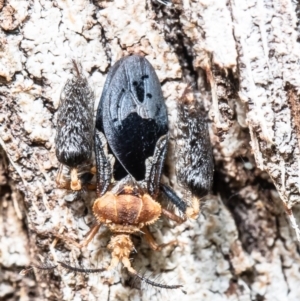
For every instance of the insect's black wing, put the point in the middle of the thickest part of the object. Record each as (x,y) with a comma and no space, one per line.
(133,114)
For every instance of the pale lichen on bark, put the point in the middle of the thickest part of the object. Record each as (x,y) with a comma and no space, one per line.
(242,59)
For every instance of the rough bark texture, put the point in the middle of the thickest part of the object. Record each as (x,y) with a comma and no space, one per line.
(242,58)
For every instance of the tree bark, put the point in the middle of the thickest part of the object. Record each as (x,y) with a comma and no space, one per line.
(242,60)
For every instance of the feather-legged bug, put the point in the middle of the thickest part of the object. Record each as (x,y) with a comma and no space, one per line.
(74,134)
(130,142)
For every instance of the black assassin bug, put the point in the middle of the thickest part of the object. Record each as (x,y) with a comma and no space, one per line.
(74,131)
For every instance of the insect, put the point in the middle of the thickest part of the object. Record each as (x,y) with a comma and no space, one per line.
(74,134)
(130,142)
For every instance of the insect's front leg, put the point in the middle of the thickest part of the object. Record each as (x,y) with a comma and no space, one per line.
(103,172)
(77,180)
(61,181)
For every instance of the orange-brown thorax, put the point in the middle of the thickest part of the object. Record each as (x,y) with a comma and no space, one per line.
(126,212)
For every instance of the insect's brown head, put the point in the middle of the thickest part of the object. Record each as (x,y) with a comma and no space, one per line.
(126,213)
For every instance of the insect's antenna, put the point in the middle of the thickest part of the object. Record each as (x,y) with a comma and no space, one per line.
(44,267)
(39,267)
(80,270)
(156,284)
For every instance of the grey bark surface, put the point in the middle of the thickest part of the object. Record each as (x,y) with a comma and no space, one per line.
(242,61)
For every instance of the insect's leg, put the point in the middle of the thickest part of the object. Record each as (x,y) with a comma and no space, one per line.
(60,180)
(93,170)
(75,181)
(152,243)
(193,210)
(103,165)
(88,238)
(154,166)
(173,197)
(190,211)
(91,234)
(172,216)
